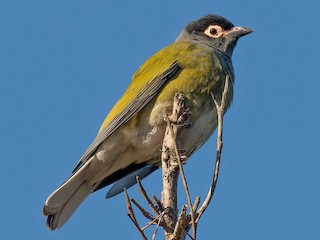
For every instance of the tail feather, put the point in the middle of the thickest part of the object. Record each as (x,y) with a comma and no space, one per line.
(62,203)
(57,217)
(73,203)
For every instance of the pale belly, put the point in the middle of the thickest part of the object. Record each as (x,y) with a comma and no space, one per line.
(146,147)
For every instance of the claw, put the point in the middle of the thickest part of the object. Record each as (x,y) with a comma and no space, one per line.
(183,159)
(183,156)
(187,124)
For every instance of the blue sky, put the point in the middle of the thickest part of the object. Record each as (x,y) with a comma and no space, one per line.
(63,64)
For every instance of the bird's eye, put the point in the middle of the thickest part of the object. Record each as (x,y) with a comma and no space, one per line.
(213,31)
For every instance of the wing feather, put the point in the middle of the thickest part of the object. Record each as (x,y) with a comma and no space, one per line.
(143,98)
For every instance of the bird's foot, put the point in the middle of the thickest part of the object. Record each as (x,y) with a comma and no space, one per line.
(183,156)
(183,120)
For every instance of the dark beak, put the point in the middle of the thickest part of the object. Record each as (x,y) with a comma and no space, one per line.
(238,32)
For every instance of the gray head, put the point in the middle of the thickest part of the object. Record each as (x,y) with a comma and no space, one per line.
(214,31)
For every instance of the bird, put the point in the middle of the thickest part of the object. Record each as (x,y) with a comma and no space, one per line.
(129,140)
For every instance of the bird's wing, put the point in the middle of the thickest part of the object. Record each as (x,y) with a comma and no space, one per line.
(143,98)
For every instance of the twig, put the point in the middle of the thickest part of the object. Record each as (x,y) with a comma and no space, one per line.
(158,202)
(181,223)
(220,111)
(153,221)
(144,194)
(132,216)
(196,204)
(142,210)
(157,227)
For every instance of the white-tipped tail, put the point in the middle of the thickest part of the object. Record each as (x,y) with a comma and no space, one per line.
(62,203)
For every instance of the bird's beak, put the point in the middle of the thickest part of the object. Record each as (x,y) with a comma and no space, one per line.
(238,32)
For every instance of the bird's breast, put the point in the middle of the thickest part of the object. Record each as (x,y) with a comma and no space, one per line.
(147,131)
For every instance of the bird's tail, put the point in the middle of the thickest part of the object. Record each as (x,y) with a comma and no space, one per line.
(62,203)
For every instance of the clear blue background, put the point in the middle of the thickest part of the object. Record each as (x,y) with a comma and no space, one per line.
(63,64)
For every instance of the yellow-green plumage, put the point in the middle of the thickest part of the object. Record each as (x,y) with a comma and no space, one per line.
(200,72)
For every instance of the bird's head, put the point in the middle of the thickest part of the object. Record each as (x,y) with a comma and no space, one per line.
(214,31)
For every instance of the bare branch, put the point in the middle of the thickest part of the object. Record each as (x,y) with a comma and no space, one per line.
(170,172)
(171,164)
(184,181)
(158,202)
(196,204)
(157,227)
(181,224)
(153,222)
(220,111)
(144,194)
(132,216)
(142,210)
